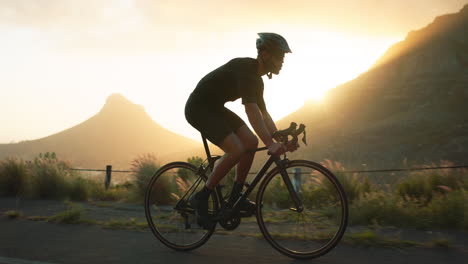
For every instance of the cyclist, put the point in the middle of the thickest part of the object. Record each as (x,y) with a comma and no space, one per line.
(204,110)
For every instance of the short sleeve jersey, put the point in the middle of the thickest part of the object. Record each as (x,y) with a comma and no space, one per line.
(236,79)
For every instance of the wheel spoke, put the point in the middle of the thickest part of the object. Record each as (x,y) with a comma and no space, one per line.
(168,214)
(313,231)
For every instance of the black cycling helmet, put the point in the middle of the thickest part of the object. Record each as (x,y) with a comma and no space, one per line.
(272,42)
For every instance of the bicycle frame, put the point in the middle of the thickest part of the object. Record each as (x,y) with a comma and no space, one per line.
(172,231)
(272,159)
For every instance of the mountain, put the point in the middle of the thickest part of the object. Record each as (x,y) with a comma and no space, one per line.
(411,105)
(116,135)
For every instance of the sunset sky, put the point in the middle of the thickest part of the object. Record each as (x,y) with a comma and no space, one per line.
(61,59)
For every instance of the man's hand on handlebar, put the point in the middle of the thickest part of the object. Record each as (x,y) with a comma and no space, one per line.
(292,146)
(282,138)
(276,149)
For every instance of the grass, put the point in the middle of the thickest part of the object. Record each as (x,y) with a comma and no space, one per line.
(448,211)
(367,238)
(71,216)
(130,224)
(114,193)
(47,177)
(422,200)
(37,218)
(107,204)
(14,177)
(144,166)
(355,185)
(74,215)
(439,243)
(13,214)
(425,185)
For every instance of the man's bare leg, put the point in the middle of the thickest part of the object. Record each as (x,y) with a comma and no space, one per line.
(234,150)
(250,141)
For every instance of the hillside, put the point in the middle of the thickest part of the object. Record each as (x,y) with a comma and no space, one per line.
(411,105)
(116,135)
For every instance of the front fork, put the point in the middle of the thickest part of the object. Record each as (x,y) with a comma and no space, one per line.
(281,165)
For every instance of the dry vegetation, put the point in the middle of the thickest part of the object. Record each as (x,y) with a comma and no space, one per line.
(425,199)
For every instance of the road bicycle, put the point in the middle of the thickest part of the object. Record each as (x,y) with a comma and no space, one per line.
(301,208)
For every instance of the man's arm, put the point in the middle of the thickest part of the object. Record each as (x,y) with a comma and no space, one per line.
(269,122)
(258,123)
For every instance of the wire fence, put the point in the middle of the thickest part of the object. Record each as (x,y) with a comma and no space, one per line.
(391,178)
(108,175)
(410,169)
(382,176)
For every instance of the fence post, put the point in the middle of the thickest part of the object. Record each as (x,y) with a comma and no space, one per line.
(108,176)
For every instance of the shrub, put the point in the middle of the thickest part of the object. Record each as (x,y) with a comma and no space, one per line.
(80,189)
(448,211)
(318,196)
(115,193)
(226,183)
(49,177)
(186,174)
(195,160)
(276,194)
(423,185)
(144,167)
(53,179)
(14,177)
(443,211)
(386,209)
(354,185)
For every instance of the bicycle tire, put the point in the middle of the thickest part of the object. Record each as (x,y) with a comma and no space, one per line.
(168,214)
(323,220)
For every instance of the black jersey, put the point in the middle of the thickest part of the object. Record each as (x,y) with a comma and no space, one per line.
(236,79)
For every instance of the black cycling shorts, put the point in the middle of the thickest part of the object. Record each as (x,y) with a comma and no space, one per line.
(213,122)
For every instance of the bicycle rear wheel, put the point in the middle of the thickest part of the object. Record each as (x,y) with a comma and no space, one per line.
(168,214)
(319,227)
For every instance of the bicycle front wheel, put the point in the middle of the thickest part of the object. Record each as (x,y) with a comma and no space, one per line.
(168,213)
(316,229)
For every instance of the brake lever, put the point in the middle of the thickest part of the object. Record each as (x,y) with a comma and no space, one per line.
(304,138)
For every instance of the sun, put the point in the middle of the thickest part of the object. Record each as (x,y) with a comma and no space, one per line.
(319,62)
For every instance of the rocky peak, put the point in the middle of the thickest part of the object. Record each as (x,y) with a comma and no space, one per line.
(465,10)
(446,37)
(117,104)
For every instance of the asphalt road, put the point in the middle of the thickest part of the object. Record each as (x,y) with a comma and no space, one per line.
(27,242)
(32,242)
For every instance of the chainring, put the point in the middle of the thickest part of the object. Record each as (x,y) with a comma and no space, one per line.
(230,223)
